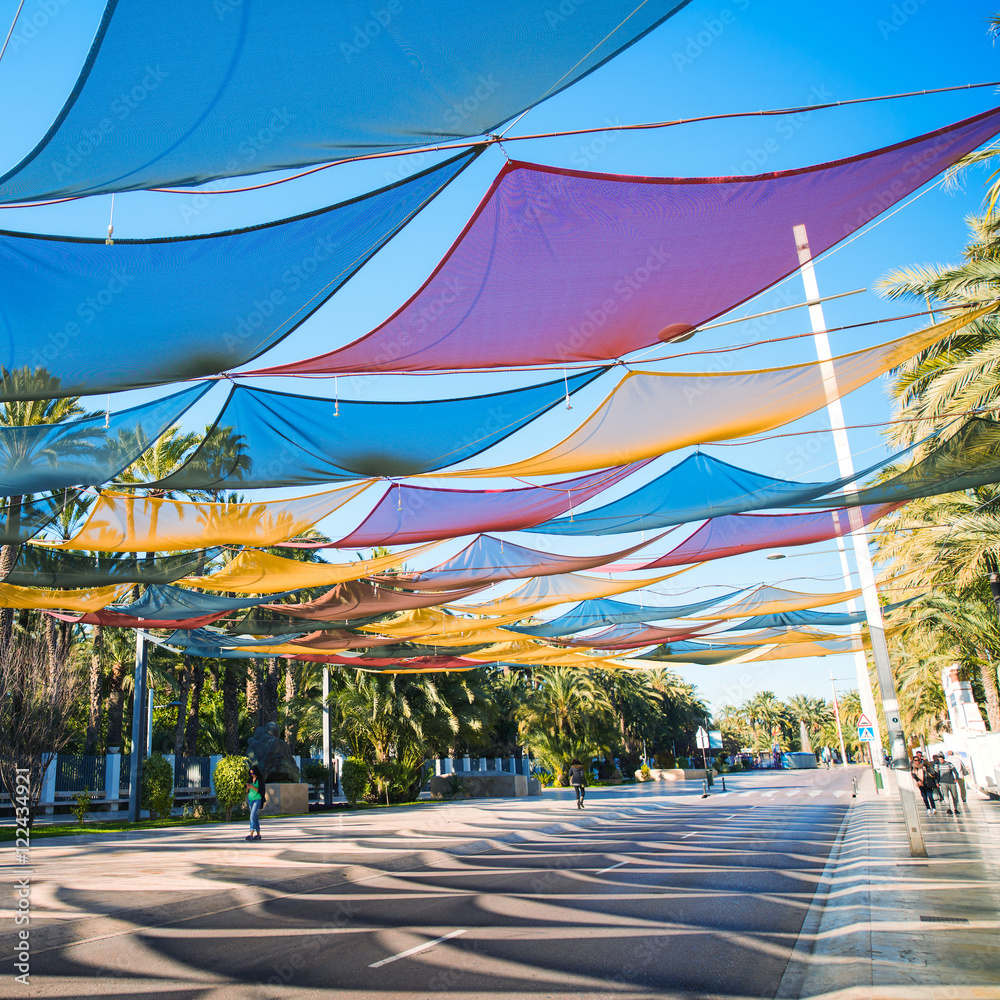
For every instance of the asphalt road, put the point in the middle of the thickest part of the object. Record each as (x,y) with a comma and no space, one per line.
(698,898)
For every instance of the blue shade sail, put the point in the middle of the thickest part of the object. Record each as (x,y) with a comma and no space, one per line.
(163,602)
(590,614)
(703,654)
(26,516)
(87,452)
(491,560)
(206,638)
(37,566)
(697,488)
(268,439)
(794,619)
(100,318)
(184,91)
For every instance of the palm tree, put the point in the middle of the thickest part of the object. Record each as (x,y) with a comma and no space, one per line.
(811,715)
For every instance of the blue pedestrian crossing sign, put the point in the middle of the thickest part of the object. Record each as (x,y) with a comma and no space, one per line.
(866,731)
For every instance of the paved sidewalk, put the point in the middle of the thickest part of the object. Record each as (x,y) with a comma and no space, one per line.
(885,925)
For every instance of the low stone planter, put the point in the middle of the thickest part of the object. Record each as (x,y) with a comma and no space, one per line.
(286,798)
(676,774)
(486,785)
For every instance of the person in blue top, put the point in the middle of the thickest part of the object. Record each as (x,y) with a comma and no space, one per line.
(256,790)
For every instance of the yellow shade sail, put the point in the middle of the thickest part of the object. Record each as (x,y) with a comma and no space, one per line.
(773,601)
(126,523)
(544,592)
(425,622)
(775,636)
(87,599)
(253,572)
(795,650)
(536,654)
(650,413)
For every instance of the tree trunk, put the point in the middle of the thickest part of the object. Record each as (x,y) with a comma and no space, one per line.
(270,698)
(191,732)
(94,691)
(253,694)
(988,677)
(291,726)
(231,708)
(8,556)
(116,705)
(182,696)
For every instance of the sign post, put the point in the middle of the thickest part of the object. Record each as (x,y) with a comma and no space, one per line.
(702,740)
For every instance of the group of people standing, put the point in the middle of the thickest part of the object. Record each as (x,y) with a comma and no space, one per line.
(939,777)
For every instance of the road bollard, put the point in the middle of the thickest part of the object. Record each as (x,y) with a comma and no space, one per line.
(723,781)
(704,786)
(854,794)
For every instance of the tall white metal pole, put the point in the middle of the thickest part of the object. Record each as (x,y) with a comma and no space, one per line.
(840,728)
(327,762)
(863,560)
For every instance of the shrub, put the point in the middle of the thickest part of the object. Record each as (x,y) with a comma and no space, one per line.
(394,781)
(455,787)
(231,777)
(354,779)
(684,763)
(81,806)
(664,759)
(314,774)
(157,786)
(645,772)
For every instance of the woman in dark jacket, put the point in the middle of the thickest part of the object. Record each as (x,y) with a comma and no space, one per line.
(576,779)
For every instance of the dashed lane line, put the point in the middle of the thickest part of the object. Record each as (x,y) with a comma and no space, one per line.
(418,948)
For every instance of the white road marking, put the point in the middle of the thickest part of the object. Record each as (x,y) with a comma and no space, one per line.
(419,947)
(693,833)
(814,793)
(838,793)
(767,795)
(734,815)
(611,868)
(792,793)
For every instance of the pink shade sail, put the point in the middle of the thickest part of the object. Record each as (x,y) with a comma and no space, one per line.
(488,560)
(737,533)
(632,637)
(422,513)
(361,598)
(561,265)
(116,619)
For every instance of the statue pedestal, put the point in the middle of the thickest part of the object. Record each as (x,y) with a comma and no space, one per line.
(286,798)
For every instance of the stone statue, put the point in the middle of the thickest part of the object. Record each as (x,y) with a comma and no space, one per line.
(270,753)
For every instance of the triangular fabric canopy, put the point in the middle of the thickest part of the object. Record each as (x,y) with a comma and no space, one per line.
(533,653)
(488,560)
(767,600)
(254,572)
(697,488)
(232,295)
(793,619)
(126,523)
(266,439)
(561,265)
(88,451)
(232,88)
(424,622)
(407,514)
(712,406)
(594,613)
(163,606)
(738,533)
(24,518)
(548,591)
(780,637)
(967,460)
(795,650)
(702,654)
(78,599)
(362,598)
(631,637)
(39,566)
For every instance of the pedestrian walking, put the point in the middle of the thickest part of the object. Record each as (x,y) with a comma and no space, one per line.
(827,756)
(577,780)
(963,771)
(256,790)
(947,778)
(926,781)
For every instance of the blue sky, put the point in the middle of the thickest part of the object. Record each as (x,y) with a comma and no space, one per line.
(712,58)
